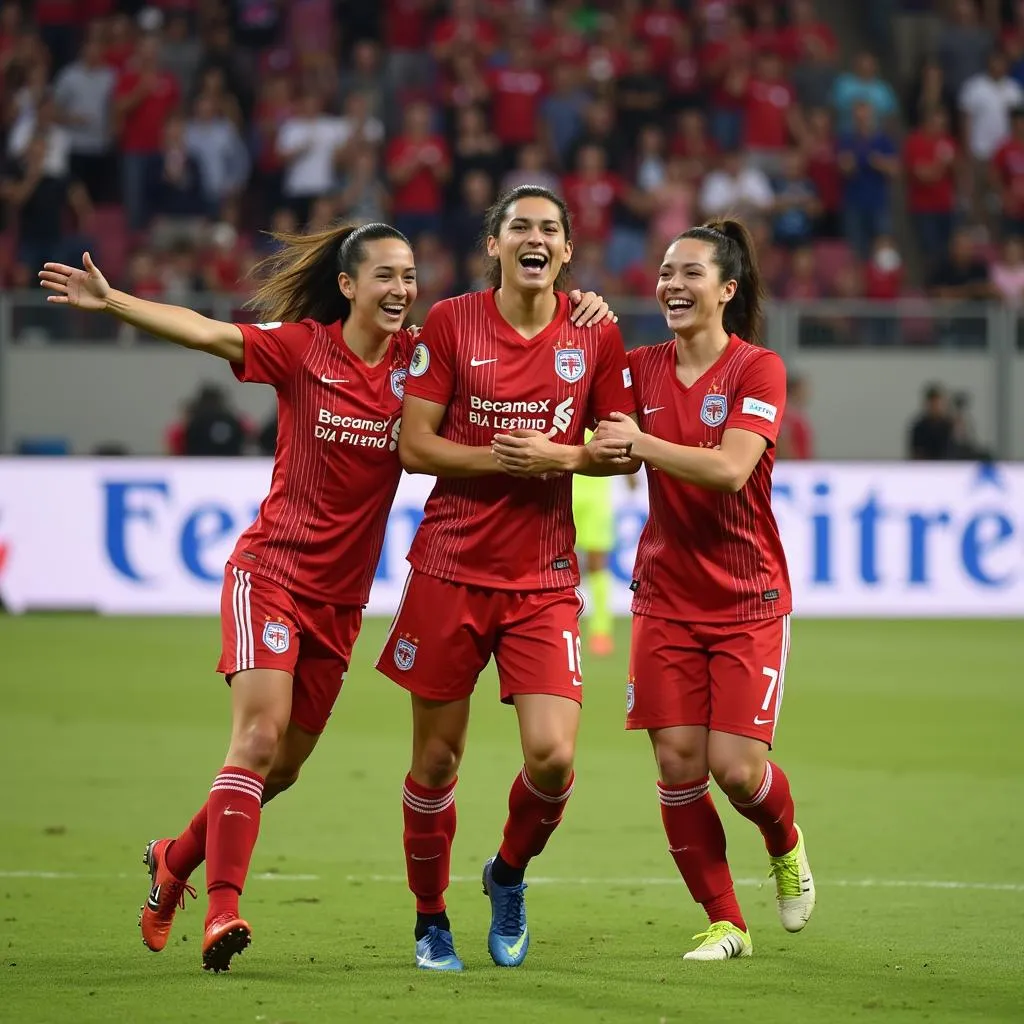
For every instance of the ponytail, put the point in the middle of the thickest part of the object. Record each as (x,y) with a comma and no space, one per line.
(735,255)
(300,281)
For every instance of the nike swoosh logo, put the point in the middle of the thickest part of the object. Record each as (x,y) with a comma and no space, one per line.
(334,380)
(761,721)
(228,811)
(657,408)
(515,950)
(577,682)
(550,821)
(414,857)
(481,362)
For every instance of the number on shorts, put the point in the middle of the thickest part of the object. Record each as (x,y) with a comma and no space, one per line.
(574,651)
(773,681)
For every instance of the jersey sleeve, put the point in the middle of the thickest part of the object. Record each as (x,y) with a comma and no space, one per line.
(431,372)
(612,390)
(760,398)
(272,352)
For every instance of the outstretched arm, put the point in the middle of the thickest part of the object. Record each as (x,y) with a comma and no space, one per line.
(87,288)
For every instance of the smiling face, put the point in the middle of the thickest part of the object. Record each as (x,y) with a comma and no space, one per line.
(531,245)
(383,287)
(690,290)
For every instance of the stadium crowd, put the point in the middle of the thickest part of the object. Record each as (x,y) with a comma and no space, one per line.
(166,136)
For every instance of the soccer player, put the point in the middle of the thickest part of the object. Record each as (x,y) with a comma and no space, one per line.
(298,578)
(711,590)
(500,387)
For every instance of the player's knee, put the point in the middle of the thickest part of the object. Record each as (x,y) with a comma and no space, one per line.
(256,743)
(550,764)
(436,764)
(278,781)
(677,766)
(738,779)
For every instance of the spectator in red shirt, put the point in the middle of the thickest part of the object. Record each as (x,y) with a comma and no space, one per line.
(683,71)
(884,274)
(821,154)
(557,41)
(806,33)
(418,165)
(767,35)
(657,26)
(463,30)
(801,282)
(771,111)
(930,155)
(796,435)
(516,93)
(591,191)
(1008,175)
(144,98)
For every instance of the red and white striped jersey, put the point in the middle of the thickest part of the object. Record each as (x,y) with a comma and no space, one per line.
(320,530)
(499,531)
(708,556)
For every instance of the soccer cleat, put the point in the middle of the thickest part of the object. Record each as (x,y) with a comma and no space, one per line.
(602,645)
(166,895)
(722,941)
(225,936)
(509,938)
(436,951)
(794,885)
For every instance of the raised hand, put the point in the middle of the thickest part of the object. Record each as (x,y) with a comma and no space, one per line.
(82,288)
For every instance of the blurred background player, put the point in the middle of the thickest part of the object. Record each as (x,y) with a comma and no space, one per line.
(593,514)
(500,387)
(712,598)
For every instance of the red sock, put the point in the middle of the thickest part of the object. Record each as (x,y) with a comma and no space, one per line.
(696,841)
(532,816)
(234,823)
(771,810)
(188,851)
(429,830)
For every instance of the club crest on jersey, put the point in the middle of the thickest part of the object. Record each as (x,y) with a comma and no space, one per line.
(398,383)
(420,360)
(713,410)
(630,697)
(277,637)
(405,653)
(570,364)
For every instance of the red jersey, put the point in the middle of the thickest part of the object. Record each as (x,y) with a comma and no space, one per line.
(591,201)
(498,531)
(768,104)
(922,149)
(422,193)
(1009,164)
(143,126)
(516,95)
(709,556)
(320,530)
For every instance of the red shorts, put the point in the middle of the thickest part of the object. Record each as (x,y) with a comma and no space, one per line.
(263,625)
(444,634)
(727,677)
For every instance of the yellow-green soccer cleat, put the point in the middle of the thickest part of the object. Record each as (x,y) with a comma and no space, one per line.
(722,941)
(794,885)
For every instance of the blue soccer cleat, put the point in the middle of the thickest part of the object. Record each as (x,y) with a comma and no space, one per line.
(509,938)
(436,951)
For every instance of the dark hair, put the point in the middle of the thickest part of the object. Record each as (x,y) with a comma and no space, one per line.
(735,255)
(300,281)
(497,213)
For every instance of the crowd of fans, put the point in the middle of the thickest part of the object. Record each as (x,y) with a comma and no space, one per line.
(165,137)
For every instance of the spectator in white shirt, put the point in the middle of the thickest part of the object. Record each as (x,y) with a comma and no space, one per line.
(735,189)
(309,143)
(83,91)
(360,129)
(42,122)
(986,100)
(213,140)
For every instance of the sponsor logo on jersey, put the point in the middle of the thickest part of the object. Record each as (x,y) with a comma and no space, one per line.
(398,383)
(630,697)
(420,360)
(277,637)
(770,595)
(713,410)
(561,563)
(405,653)
(755,407)
(570,364)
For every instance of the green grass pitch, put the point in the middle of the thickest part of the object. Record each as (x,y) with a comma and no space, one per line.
(902,741)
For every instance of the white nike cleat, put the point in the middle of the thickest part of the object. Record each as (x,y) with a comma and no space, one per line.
(794,886)
(722,941)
